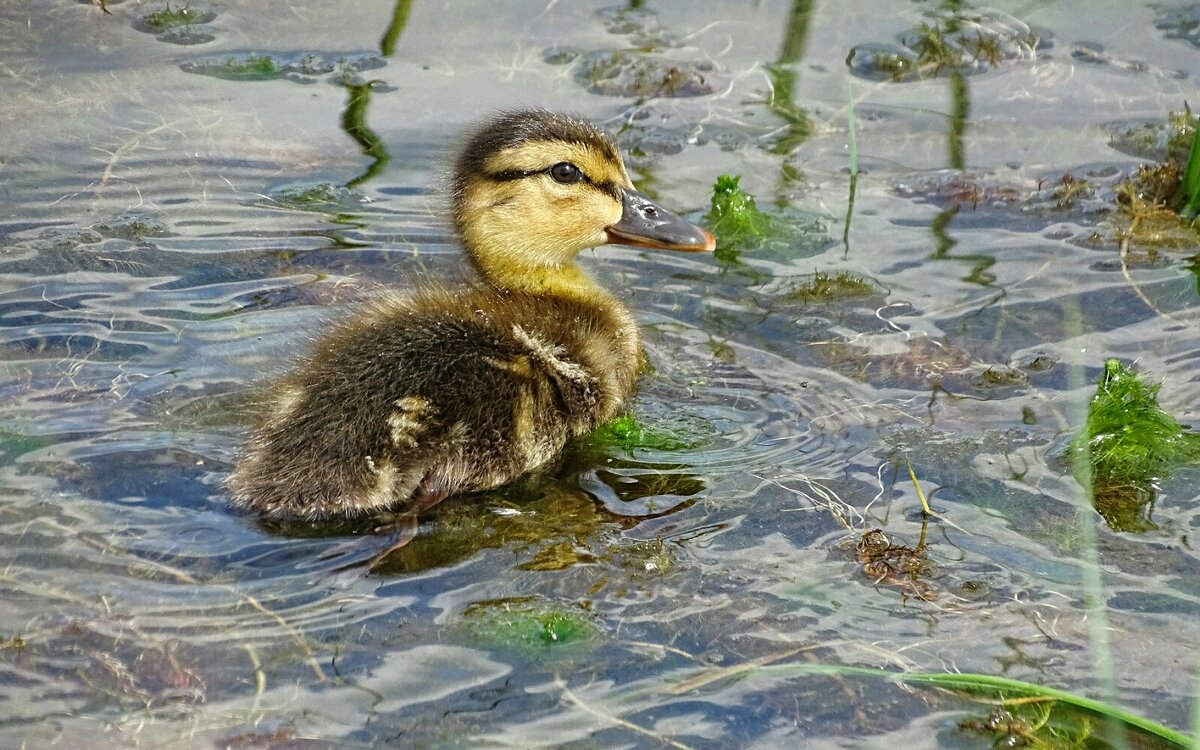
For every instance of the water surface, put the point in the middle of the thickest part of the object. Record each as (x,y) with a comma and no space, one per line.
(162,254)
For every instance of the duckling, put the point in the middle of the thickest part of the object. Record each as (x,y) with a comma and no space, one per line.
(448,390)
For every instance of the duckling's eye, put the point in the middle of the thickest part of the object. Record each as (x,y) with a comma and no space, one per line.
(565,172)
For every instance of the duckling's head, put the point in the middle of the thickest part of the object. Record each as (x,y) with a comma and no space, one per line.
(532,188)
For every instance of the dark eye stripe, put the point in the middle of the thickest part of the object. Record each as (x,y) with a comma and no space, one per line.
(508,175)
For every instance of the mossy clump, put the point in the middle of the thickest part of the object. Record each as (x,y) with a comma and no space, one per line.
(1128,443)
(529,625)
(251,66)
(831,288)
(734,214)
(132,227)
(1156,140)
(242,67)
(169,18)
(740,226)
(897,565)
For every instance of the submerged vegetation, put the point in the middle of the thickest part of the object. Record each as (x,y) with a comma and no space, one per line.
(298,67)
(894,565)
(529,625)
(627,433)
(169,18)
(177,25)
(954,41)
(1158,203)
(1128,443)
(824,287)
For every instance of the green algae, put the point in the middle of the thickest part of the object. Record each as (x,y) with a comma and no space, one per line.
(248,68)
(13,445)
(734,214)
(529,625)
(1127,444)
(629,434)
(298,67)
(741,226)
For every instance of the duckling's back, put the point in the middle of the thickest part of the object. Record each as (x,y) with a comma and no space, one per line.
(424,396)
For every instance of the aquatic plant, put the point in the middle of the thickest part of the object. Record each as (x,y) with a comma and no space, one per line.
(528,625)
(298,67)
(832,288)
(1160,200)
(896,565)
(169,18)
(1070,715)
(740,226)
(628,433)
(955,41)
(1187,198)
(734,218)
(1031,726)
(1128,443)
(250,67)
(734,213)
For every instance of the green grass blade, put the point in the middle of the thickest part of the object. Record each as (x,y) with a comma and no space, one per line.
(1189,188)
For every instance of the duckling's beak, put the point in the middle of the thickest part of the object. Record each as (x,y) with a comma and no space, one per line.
(644,223)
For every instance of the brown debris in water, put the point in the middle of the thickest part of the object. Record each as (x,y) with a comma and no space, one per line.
(895,565)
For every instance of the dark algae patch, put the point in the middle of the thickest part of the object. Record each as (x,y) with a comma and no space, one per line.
(1128,444)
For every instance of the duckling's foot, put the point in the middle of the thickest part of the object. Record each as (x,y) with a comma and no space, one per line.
(398,532)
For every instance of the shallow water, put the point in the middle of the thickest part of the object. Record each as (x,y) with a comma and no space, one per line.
(159,258)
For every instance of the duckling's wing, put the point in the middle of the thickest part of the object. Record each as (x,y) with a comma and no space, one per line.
(409,404)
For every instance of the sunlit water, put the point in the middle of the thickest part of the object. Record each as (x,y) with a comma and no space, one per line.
(157,268)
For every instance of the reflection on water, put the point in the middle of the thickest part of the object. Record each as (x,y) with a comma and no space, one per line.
(169,239)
